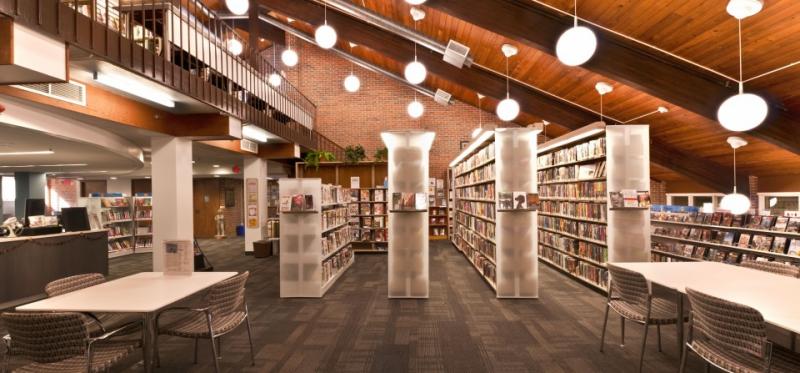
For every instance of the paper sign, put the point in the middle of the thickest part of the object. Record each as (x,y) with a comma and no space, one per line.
(252,202)
(178,257)
(355,182)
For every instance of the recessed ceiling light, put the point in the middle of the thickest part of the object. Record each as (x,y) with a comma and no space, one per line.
(113,178)
(216,175)
(33,152)
(135,88)
(147,177)
(216,166)
(47,165)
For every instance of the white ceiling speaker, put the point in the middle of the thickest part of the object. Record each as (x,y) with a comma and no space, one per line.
(603,88)
(415,72)
(417,14)
(741,9)
(456,53)
(415,109)
(352,83)
(416,2)
(509,50)
(235,46)
(442,97)
(289,58)
(508,109)
(238,7)
(274,79)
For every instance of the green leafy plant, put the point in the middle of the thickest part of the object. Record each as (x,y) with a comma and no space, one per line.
(381,155)
(354,154)
(314,157)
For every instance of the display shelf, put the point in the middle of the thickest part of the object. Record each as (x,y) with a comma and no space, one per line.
(407,211)
(324,231)
(120,221)
(115,214)
(477,166)
(576,173)
(143,223)
(739,249)
(487,181)
(119,253)
(476,216)
(327,286)
(676,256)
(120,237)
(437,210)
(792,235)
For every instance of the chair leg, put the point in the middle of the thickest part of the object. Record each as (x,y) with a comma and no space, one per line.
(708,367)
(219,347)
(644,345)
(215,355)
(622,330)
(684,357)
(250,337)
(155,347)
(658,331)
(195,350)
(603,334)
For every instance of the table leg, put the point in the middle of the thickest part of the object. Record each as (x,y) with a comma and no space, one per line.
(149,335)
(679,303)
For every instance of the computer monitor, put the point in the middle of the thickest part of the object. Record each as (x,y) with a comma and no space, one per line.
(75,219)
(33,207)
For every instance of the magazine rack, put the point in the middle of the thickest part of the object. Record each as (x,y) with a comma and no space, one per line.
(408,232)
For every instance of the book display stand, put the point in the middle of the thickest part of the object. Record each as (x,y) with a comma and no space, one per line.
(594,189)
(115,214)
(315,237)
(494,232)
(143,223)
(409,153)
(369,213)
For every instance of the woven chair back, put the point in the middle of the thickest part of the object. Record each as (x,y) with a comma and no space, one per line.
(228,296)
(772,267)
(728,325)
(72,283)
(46,337)
(629,286)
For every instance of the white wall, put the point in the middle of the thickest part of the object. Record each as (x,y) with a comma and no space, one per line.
(120,185)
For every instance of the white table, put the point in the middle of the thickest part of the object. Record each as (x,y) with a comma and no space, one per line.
(768,293)
(145,293)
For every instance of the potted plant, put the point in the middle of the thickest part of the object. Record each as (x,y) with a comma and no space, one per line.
(354,154)
(314,157)
(381,155)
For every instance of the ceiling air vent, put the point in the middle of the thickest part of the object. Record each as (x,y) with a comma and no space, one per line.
(248,146)
(70,92)
(442,98)
(456,53)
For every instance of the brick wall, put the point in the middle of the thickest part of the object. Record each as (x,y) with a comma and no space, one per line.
(380,104)
(61,192)
(752,182)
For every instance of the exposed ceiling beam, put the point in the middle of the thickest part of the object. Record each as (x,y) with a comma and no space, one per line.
(644,68)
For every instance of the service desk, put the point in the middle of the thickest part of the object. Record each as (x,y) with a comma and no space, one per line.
(27,264)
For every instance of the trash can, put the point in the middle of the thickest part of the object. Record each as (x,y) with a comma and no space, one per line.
(262,249)
(240,230)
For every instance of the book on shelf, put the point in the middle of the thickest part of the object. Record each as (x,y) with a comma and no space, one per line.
(762,242)
(779,245)
(505,200)
(744,240)
(378,209)
(780,223)
(794,248)
(378,195)
(793,225)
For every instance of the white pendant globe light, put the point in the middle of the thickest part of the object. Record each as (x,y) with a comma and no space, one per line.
(289,57)
(508,109)
(743,111)
(325,35)
(576,45)
(741,9)
(415,108)
(415,72)
(736,203)
(274,79)
(235,46)
(352,84)
(238,7)
(416,2)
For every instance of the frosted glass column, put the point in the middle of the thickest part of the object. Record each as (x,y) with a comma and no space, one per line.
(301,232)
(409,152)
(516,230)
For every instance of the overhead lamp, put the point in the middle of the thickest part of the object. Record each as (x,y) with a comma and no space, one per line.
(235,46)
(325,35)
(31,152)
(743,111)
(508,108)
(215,166)
(576,45)
(113,178)
(274,79)
(289,57)
(255,133)
(736,203)
(415,108)
(237,7)
(416,2)
(741,9)
(602,88)
(351,82)
(477,131)
(135,88)
(415,72)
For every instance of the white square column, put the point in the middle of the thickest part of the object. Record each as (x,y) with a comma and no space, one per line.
(255,173)
(173,208)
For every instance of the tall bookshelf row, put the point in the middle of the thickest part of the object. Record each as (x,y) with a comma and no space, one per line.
(128,221)
(143,223)
(437,210)
(315,236)
(580,227)
(498,239)
(369,217)
(723,237)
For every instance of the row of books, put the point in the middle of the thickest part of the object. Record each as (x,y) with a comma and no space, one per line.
(587,150)
(109,202)
(115,214)
(145,242)
(144,229)
(334,217)
(378,235)
(144,214)
(480,174)
(438,231)
(336,239)
(479,243)
(484,209)
(724,219)
(272,229)
(573,172)
(436,193)
(119,230)
(699,252)
(365,195)
(371,222)
(760,242)
(141,202)
(591,231)
(574,246)
(334,194)
(480,191)
(438,211)
(581,210)
(335,263)
(487,229)
(481,156)
(118,245)
(370,209)
(484,266)
(578,268)
(435,220)
(595,190)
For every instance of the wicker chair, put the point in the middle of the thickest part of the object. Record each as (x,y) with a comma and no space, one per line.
(630,296)
(777,268)
(99,323)
(733,337)
(226,309)
(60,342)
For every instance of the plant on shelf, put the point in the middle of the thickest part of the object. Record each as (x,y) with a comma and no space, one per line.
(381,155)
(354,154)
(314,157)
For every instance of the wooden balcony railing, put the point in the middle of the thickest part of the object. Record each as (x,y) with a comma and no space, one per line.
(184,46)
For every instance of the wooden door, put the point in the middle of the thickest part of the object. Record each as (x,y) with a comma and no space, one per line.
(206,202)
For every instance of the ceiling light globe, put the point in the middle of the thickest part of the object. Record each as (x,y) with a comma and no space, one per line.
(352,83)
(736,203)
(237,7)
(235,46)
(274,79)
(741,9)
(576,46)
(742,112)
(415,72)
(289,58)
(415,109)
(416,2)
(325,36)
(508,109)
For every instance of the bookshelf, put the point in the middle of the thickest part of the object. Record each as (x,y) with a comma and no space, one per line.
(315,239)
(722,237)
(437,210)
(498,241)
(143,224)
(579,231)
(369,214)
(113,213)
(409,152)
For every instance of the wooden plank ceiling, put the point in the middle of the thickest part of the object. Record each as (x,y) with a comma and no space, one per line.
(696,30)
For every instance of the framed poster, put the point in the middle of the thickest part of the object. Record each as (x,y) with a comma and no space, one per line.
(463,144)
(251,188)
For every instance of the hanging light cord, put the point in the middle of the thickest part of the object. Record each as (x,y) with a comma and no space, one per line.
(576,13)
(508,94)
(415,41)
(325,11)
(480,114)
(352,67)
(601,107)
(734,170)
(741,81)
